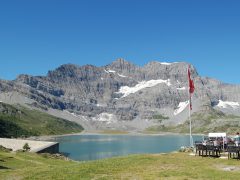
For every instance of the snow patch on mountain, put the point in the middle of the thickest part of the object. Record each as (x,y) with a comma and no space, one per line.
(126,90)
(181,107)
(122,75)
(109,71)
(227,104)
(167,64)
(100,105)
(70,113)
(105,117)
(182,88)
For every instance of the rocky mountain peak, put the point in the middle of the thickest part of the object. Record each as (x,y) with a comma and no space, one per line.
(121,65)
(66,70)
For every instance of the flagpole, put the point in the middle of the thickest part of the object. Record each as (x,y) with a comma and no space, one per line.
(190,123)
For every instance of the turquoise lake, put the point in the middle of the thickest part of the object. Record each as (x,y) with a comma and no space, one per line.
(93,147)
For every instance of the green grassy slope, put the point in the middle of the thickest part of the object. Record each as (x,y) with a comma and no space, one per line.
(17,121)
(158,166)
(205,121)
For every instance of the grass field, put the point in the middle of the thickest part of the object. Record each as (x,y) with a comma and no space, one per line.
(157,166)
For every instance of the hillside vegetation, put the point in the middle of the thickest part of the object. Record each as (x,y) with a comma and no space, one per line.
(155,166)
(203,122)
(16,121)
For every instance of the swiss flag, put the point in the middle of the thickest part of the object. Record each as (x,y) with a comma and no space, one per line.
(191,86)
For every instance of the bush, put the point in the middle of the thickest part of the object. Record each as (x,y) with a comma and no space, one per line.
(26,147)
(160,116)
(186,149)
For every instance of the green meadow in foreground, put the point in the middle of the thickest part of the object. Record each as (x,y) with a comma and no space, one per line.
(157,166)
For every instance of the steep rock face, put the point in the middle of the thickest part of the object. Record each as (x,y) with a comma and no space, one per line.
(41,84)
(173,71)
(122,90)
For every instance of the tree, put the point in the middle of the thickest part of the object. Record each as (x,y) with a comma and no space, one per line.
(26,147)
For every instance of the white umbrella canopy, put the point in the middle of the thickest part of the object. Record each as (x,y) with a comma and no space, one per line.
(217,134)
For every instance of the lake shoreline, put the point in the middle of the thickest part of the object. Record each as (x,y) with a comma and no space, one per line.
(130,133)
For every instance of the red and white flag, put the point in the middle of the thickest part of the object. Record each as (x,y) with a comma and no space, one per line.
(191,86)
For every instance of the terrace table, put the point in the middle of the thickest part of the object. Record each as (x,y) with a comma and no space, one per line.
(233,151)
(207,150)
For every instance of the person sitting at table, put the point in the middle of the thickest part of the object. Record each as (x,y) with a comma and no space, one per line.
(216,142)
(237,139)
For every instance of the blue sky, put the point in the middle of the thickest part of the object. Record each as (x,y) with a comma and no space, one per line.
(37,36)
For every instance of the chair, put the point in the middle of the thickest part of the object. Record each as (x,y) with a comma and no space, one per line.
(200,148)
(233,150)
(210,149)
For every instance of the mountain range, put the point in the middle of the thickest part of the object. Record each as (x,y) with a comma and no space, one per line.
(124,96)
